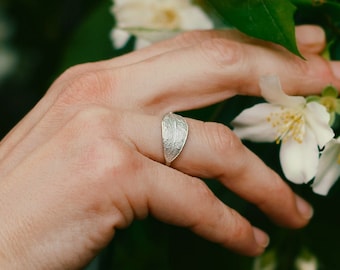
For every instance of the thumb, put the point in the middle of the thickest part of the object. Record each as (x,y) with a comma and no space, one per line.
(310,39)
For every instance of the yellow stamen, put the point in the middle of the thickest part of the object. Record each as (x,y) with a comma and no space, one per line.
(166,18)
(289,124)
(338,159)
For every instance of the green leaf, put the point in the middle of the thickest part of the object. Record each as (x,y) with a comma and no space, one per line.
(271,20)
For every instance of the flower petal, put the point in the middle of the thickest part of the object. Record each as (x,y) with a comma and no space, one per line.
(193,17)
(155,20)
(328,168)
(317,118)
(252,124)
(152,35)
(300,160)
(119,37)
(272,91)
(141,43)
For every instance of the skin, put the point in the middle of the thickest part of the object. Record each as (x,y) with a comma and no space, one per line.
(87,160)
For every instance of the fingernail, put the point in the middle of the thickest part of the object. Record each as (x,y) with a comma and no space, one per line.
(305,209)
(262,239)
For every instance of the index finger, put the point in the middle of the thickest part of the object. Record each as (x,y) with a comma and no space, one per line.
(213,70)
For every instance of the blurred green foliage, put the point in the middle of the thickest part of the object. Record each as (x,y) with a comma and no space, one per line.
(50,36)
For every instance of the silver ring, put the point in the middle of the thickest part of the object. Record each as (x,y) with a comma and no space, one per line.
(174,136)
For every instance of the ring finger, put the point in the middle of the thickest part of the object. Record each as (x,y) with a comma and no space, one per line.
(213,151)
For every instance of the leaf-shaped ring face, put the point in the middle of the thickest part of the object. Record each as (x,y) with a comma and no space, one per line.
(174,136)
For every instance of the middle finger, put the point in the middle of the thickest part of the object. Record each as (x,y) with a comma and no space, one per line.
(213,151)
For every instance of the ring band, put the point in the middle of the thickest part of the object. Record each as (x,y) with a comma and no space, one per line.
(174,135)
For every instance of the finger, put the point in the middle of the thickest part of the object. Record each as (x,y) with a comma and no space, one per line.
(214,70)
(184,40)
(181,200)
(22,129)
(213,151)
(310,39)
(107,183)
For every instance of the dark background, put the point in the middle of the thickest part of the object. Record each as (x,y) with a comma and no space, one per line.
(50,36)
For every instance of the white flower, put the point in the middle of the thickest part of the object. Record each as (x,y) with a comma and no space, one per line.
(301,128)
(306,265)
(154,20)
(329,168)
(309,262)
(267,261)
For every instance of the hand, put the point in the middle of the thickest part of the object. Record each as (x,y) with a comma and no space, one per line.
(87,160)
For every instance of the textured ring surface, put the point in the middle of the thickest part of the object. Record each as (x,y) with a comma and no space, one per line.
(174,135)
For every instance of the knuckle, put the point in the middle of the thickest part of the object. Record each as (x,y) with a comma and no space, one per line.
(202,190)
(88,82)
(75,71)
(236,225)
(221,52)
(224,143)
(301,66)
(221,139)
(87,86)
(239,228)
(91,120)
(276,186)
(96,147)
(122,160)
(96,160)
(190,37)
(88,131)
